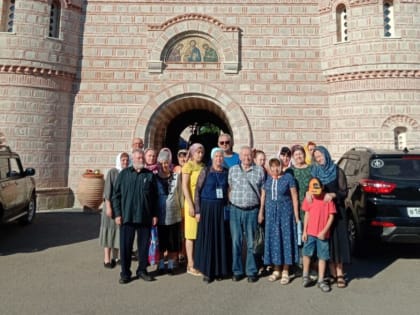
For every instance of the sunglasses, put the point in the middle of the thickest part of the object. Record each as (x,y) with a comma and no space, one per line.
(224,142)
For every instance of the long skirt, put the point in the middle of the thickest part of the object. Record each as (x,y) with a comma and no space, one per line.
(109,232)
(211,256)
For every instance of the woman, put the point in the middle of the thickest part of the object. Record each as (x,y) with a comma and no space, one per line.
(211,256)
(259,159)
(190,172)
(170,204)
(309,150)
(109,233)
(334,181)
(150,160)
(285,155)
(279,206)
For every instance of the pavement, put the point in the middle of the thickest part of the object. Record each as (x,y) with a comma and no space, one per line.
(55,266)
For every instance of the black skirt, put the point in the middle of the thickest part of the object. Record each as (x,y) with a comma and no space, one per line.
(211,256)
(339,239)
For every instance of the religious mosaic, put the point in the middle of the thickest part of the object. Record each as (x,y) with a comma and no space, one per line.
(192,49)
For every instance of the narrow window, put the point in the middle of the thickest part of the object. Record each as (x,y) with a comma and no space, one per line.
(341,15)
(400,136)
(8,16)
(388,9)
(55,13)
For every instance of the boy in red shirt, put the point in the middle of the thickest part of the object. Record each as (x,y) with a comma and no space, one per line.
(318,219)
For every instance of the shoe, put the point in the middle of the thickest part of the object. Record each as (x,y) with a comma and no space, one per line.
(341,282)
(170,271)
(306,282)
(124,280)
(194,272)
(113,263)
(145,276)
(285,279)
(237,278)
(274,276)
(108,265)
(324,286)
(207,279)
(252,279)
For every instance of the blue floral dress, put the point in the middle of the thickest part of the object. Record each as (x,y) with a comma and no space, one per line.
(280,226)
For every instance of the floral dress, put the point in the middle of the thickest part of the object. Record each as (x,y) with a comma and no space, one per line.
(280,226)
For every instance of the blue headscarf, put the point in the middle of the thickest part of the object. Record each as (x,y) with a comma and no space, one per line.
(327,172)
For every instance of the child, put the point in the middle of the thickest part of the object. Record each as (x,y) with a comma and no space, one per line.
(318,219)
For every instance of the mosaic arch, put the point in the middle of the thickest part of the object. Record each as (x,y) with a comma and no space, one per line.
(220,37)
(177,99)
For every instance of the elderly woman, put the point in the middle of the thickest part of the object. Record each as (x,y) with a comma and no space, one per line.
(190,172)
(109,233)
(334,181)
(170,204)
(211,256)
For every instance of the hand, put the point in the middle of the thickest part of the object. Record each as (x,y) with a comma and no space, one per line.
(154,221)
(260,217)
(321,236)
(197,217)
(108,213)
(308,197)
(191,212)
(328,197)
(304,237)
(118,220)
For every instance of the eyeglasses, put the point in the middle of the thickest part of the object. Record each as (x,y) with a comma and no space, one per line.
(224,142)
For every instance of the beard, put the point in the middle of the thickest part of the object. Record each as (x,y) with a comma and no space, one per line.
(138,165)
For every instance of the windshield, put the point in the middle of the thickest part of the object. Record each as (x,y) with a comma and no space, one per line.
(406,167)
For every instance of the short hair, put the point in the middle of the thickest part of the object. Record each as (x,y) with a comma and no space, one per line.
(138,151)
(275,162)
(227,136)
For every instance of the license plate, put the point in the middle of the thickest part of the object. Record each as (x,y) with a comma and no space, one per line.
(413,212)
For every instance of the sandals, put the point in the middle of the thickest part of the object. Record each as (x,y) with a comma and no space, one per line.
(341,282)
(274,276)
(194,272)
(285,279)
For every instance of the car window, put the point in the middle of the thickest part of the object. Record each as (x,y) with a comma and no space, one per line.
(407,167)
(4,168)
(15,168)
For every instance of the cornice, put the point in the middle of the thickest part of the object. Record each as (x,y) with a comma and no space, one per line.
(36,71)
(195,17)
(374,74)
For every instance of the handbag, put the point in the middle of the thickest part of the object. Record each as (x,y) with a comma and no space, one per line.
(258,243)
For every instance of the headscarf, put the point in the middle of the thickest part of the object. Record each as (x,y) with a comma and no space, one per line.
(214,151)
(298,147)
(308,155)
(150,167)
(193,148)
(118,161)
(327,172)
(165,154)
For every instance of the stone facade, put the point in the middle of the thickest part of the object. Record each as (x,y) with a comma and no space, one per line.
(282,78)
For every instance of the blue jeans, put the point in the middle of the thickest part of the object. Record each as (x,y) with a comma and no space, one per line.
(243,222)
(314,244)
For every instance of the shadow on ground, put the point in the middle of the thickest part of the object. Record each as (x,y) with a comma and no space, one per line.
(50,229)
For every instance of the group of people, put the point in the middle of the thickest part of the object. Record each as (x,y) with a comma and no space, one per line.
(297,196)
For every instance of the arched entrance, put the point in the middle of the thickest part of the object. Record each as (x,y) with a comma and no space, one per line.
(168,113)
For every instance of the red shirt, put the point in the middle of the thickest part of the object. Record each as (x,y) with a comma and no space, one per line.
(319,212)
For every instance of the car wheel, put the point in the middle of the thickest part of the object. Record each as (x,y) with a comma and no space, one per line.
(30,211)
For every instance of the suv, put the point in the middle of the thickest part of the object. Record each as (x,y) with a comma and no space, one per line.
(17,189)
(383,201)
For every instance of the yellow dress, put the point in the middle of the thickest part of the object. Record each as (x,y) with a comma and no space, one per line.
(194,170)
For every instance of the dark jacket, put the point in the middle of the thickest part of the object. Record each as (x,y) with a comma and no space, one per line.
(135,196)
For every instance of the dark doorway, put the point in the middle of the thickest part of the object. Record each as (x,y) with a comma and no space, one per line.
(195,119)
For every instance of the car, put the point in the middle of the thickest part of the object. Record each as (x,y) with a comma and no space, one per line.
(17,189)
(383,201)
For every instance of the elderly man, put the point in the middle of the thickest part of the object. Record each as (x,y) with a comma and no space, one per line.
(245,184)
(225,142)
(137,144)
(135,205)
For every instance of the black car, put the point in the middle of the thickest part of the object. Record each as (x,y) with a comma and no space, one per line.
(17,189)
(383,201)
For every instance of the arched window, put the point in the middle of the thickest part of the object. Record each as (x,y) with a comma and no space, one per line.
(341,19)
(8,16)
(55,13)
(388,9)
(400,137)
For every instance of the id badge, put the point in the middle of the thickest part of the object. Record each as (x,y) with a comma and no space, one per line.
(219,193)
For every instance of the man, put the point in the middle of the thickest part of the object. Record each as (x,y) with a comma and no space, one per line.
(135,205)
(245,182)
(226,144)
(137,144)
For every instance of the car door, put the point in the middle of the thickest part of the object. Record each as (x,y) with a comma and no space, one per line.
(7,189)
(17,174)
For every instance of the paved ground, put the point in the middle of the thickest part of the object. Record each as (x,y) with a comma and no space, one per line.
(54,266)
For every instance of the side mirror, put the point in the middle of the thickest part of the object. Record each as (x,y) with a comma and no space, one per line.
(30,172)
